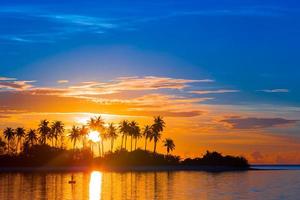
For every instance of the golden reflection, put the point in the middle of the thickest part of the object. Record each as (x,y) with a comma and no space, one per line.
(95,187)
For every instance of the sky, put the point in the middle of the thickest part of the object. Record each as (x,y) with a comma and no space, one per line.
(223,74)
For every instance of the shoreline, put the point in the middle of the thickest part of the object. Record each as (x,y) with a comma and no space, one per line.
(124,169)
(165,168)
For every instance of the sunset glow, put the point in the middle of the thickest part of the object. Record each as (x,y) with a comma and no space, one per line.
(220,82)
(94,136)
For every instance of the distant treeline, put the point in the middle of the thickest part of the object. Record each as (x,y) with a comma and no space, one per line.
(42,155)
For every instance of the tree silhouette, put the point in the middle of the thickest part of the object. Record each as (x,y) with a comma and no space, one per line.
(124,130)
(97,124)
(133,128)
(157,128)
(74,135)
(147,132)
(112,135)
(83,134)
(44,130)
(20,133)
(2,146)
(169,144)
(136,134)
(9,135)
(57,129)
(31,137)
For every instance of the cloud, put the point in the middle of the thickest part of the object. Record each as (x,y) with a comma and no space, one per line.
(139,95)
(82,20)
(7,79)
(146,83)
(274,90)
(140,106)
(256,123)
(262,12)
(15,85)
(213,91)
(74,23)
(94,90)
(63,81)
(151,83)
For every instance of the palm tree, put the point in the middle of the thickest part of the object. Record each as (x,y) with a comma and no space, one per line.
(97,124)
(57,129)
(44,131)
(20,133)
(2,146)
(83,134)
(112,134)
(147,132)
(74,135)
(124,129)
(9,135)
(136,134)
(31,137)
(169,144)
(132,131)
(157,128)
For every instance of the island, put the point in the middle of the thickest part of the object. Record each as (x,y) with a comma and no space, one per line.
(44,149)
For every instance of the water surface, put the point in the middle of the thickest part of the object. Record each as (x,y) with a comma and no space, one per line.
(96,185)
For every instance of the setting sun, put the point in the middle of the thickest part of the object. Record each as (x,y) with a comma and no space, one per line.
(94,136)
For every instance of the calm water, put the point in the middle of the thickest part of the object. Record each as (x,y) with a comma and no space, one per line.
(278,184)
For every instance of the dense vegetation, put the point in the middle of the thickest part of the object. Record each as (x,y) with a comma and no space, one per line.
(45,146)
(55,135)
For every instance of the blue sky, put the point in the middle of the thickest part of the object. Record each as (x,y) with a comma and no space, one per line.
(246,45)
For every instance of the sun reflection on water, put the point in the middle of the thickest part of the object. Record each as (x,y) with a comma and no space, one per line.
(95,185)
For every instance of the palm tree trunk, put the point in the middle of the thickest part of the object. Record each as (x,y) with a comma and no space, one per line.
(135,143)
(18,144)
(111,145)
(145,143)
(99,149)
(125,141)
(154,150)
(131,144)
(122,141)
(8,146)
(102,147)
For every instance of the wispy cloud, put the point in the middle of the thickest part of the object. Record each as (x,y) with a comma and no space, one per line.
(274,90)
(256,123)
(149,96)
(7,79)
(213,91)
(66,25)
(63,81)
(13,84)
(83,20)
(251,11)
(133,84)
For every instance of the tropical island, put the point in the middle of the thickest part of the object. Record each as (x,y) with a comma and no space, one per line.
(46,147)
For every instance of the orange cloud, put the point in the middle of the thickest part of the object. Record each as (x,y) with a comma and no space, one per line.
(231,129)
(15,85)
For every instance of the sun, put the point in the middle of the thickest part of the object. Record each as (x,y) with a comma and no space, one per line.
(94,136)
